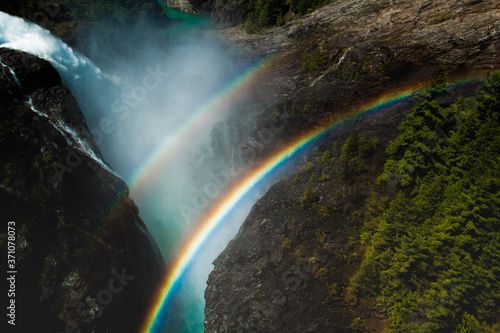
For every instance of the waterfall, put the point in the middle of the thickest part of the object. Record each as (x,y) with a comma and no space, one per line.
(16,33)
(332,68)
(85,80)
(75,141)
(157,92)
(69,134)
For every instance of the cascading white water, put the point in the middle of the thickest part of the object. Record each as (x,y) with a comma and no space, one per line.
(76,141)
(332,68)
(82,77)
(28,37)
(69,134)
(149,96)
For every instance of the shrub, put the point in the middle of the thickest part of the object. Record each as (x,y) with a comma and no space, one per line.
(314,60)
(322,210)
(321,273)
(324,177)
(309,197)
(286,245)
(326,158)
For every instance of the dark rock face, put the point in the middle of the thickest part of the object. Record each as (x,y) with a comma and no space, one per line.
(101,30)
(287,267)
(354,50)
(259,286)
(85,260)
(228,12)
(64,18)
(360,49)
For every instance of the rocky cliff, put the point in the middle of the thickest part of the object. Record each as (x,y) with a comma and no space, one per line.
(286,269)
(65,19)
(289,267)
(85,261)
(350,51)
(99,29)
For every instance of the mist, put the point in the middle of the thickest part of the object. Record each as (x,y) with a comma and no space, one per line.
(163,79)
(146,85)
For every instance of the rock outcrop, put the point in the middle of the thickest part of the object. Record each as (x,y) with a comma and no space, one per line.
(85,261)
(350,51)
(330,61)
(182,5)
(289,265)
(65,18)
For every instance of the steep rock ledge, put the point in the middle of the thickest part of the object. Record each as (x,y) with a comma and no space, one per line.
(329,62)
(85,260)
(259,284)
(351,51)
(289,266)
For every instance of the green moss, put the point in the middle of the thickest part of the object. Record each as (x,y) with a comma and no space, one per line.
(326,158)
(347,208)
(320,236)
(306,108)
(286,245)
(299,257)
(313,61)
(308,166)
(444,17)
(357,325)
(332,289)
(383,68)
(322,210)
(309,197)
(321,273)
(313,261)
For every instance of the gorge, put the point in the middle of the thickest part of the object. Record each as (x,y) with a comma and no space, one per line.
(213,128)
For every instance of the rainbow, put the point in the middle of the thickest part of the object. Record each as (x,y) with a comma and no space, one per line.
(215,218)
(210,112)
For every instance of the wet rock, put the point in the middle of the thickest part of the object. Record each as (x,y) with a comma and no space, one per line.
(288,267)
(84,258)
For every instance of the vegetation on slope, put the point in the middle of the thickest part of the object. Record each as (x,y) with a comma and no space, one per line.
(266,13)
(433,254)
